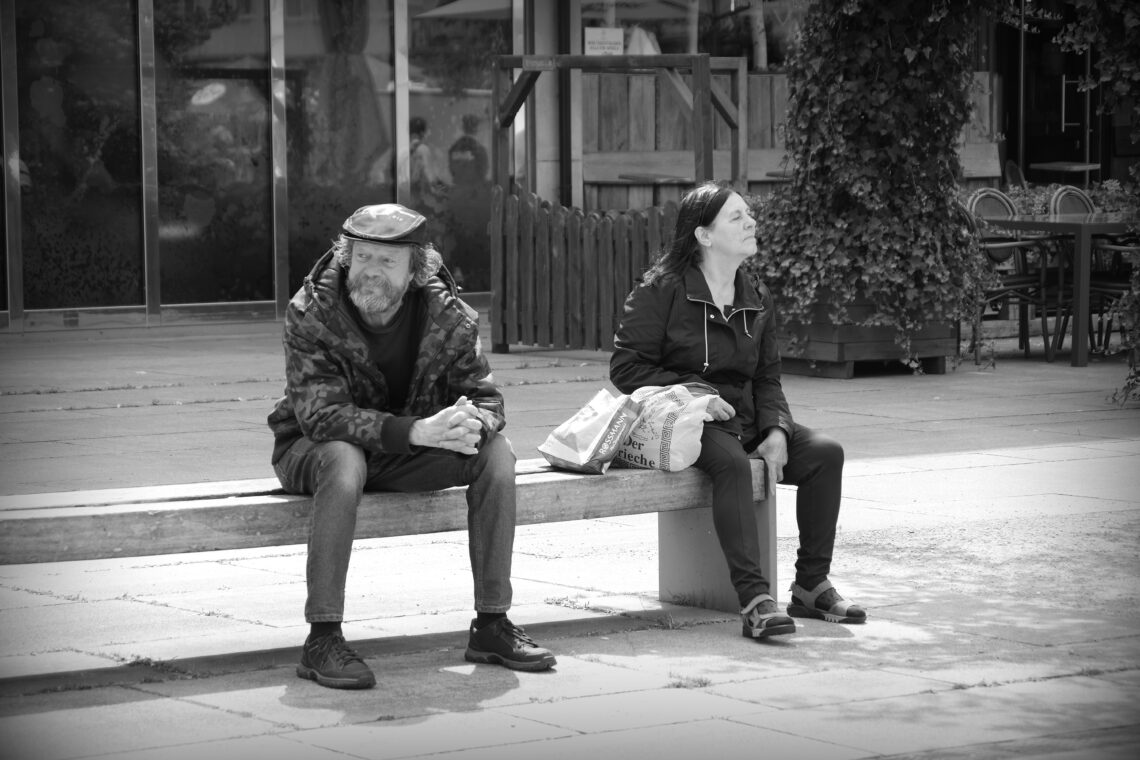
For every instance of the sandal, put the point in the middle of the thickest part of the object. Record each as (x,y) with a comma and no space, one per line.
(824,603)
(761,619)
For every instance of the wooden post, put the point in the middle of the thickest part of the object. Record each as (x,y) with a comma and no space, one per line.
(702,120)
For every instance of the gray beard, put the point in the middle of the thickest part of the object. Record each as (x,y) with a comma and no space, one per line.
(374,296)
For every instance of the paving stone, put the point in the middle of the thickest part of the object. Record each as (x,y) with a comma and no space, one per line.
(274,747)
(429,734)
(829,686)
(632,709)
(975,716)
(82,727)
(708,738)
(49,662)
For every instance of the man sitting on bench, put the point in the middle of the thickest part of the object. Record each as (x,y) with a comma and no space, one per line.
(387,390)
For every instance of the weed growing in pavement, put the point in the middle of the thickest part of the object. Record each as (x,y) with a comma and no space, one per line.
(567,602)
(158,666)
(688,682)
(575,379)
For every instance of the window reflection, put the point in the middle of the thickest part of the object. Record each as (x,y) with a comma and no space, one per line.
(78,103)
(762,32)
(340,100)
(212,84)
(450,70)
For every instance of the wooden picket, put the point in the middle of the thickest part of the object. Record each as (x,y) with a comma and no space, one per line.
(560,277)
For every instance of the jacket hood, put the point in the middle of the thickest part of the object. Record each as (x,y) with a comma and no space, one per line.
(325,290)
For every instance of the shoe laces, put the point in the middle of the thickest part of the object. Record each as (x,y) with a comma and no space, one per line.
(334,647)
(517,634)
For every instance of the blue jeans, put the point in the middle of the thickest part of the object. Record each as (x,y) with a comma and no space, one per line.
(815,467)
(337,473)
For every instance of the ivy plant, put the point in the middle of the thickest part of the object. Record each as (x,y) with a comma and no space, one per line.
(879,93)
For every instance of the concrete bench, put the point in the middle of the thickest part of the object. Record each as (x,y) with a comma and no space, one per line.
(244,514)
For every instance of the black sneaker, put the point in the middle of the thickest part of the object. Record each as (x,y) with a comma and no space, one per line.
(504,643)
(331,662)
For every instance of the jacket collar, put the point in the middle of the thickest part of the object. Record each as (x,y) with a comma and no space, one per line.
(746,295)
(327,285)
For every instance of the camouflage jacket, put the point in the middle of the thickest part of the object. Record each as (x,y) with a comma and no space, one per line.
(333,392)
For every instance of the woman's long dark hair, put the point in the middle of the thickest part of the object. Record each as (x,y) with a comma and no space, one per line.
(698,208)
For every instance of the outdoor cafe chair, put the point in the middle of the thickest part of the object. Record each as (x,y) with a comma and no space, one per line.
(1110,268)
(1014,177)
(1021,264)
(1068,199)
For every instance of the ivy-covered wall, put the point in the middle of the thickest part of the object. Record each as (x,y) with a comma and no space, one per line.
(879,93)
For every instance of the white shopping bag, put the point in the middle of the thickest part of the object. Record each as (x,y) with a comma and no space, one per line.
(588,441)
(667,435)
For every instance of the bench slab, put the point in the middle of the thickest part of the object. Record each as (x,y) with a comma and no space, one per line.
(257,513)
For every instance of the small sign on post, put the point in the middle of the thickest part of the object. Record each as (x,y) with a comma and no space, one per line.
(600,40)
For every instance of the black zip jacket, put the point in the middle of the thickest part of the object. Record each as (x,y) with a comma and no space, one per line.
(672,332)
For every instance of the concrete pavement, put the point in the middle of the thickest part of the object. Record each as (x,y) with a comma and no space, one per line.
(991,526)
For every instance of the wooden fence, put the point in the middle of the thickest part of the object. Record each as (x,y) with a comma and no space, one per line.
(559,277)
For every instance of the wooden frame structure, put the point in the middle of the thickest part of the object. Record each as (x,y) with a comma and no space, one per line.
(701,96)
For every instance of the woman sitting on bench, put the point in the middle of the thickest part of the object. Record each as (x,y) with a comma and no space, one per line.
(697,318)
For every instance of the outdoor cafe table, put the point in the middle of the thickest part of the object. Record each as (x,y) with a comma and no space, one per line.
(1082,227)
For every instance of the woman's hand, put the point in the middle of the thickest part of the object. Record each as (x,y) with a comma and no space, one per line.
(720,410)
(774,451)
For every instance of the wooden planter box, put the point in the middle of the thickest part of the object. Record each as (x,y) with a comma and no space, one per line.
(832,350)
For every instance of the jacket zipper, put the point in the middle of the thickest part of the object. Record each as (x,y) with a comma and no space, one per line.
(727,320)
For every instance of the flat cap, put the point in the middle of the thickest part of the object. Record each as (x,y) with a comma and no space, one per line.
(387,223)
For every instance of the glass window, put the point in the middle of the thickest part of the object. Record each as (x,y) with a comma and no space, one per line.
(762,32)
(450,130)
(214,155)
(79,162)
(4,265)
(339,118)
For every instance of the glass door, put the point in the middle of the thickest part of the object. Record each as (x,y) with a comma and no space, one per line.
(449,128)
(340,82)
(79,158)
(215,233)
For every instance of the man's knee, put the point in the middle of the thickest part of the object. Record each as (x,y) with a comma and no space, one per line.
(496,458)
(342,466)
(499,450)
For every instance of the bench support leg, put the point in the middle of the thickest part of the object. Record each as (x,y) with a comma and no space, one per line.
(691,567)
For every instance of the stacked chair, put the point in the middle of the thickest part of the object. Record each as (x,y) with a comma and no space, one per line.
(1022,265)
(1014,176)
(1109,275)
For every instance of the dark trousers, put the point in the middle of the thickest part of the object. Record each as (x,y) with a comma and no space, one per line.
(815,467)
(338,473)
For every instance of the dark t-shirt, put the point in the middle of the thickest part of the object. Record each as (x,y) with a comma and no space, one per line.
(393,350)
